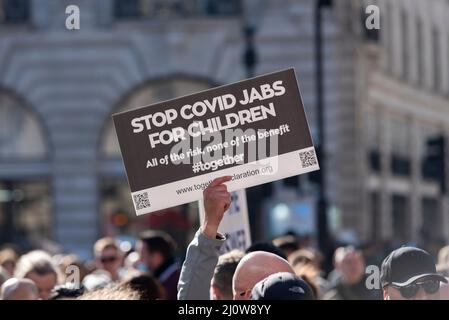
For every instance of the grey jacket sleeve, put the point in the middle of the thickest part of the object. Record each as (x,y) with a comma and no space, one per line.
(198,267)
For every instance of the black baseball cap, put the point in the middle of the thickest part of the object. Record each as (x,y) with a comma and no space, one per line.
(282,286)
(406,265)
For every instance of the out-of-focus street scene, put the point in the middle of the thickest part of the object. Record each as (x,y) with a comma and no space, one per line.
(374,81)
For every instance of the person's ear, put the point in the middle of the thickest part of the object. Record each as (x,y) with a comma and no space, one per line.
(385,293)
(215,292)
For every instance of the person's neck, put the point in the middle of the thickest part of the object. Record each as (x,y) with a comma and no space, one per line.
(163,266)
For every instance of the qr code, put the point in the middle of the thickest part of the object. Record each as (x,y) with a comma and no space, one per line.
(307,158)
(141,201)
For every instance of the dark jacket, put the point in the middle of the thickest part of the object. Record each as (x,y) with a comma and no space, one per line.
(168,274)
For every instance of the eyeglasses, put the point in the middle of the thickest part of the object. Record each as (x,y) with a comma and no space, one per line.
(429,286)
(108,259)
(243,293)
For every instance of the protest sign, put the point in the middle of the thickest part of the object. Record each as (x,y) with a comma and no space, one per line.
(254,130)
(235,223)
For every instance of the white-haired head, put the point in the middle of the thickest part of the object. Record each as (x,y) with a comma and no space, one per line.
(38,266)
(19,289)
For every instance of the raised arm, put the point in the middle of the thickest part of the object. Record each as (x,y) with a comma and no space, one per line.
(202,253)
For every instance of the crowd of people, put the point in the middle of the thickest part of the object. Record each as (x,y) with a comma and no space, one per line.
(282,269)
(148,272)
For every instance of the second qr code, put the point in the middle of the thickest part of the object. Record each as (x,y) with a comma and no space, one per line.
(308,158)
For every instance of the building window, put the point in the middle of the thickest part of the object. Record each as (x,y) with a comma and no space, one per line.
(434,160)
(25,212)
(431,220)
(400,165)
(169,8)
(372,125)
(25,208)
(223,7)
(374,160)
(14,11)
(400,146)
(127,9)
(401,219)
(21,136)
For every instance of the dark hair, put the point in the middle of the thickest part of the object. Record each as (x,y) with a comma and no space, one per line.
(66,292)
(147,286)
(224,271)
(267,247)
(159,241)
(286,243)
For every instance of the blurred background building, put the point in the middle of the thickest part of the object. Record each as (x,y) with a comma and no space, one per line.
(401,100)
(386,99)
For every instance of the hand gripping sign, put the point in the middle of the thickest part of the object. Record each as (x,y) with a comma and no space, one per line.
(254,130)
(235,223)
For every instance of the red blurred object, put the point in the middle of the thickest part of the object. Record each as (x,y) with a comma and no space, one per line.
(172,216)
(119,219)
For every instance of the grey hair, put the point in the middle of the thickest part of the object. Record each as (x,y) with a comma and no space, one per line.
(13,284)
(37,261)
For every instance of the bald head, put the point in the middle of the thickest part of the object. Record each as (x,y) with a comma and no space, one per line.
(19,289)
(253,268)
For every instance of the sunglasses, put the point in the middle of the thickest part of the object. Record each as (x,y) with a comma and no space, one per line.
(108,259)
(430,287)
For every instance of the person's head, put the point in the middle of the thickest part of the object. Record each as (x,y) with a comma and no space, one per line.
(111,292)
(147,286)
(305,265)
(303,257)
(155,248)
(8,260)
(282,286)
(288,244)
(254,267)
(38,266)
(19,289)
(410,274)
(4,275)
(267,247)
(221,284)
(350,263)
(443,260)
(96,280)
(108,256)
